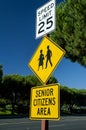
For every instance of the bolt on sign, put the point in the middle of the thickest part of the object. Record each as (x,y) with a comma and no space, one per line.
(45,18)
(45,59)
(44,102)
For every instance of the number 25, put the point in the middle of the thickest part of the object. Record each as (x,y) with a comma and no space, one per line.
(49,22)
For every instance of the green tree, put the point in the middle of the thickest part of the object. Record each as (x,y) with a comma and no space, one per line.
(66,95)
(1,73)
(13,86)
(52,79)
(81,97)
(70,32)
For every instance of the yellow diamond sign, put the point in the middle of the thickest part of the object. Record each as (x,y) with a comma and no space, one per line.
(45,59)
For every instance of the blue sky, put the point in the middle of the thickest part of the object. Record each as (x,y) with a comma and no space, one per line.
(18,43)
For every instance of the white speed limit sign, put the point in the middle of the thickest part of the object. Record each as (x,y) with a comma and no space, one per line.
(45,19)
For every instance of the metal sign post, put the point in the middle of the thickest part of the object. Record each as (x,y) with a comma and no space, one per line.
(44,124)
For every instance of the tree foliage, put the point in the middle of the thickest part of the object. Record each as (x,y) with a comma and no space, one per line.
(16,90)
(70,32)
(20,85)
(72,96)
(1,73)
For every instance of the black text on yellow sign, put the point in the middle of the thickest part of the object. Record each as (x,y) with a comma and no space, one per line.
(45,102)
(45,59)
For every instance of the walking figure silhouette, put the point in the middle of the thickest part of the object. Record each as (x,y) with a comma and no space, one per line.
(41,58)
(48,56)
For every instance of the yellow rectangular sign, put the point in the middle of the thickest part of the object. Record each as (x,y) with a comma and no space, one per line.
(45,102)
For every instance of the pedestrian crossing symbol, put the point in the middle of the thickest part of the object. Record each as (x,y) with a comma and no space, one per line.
(45,59)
